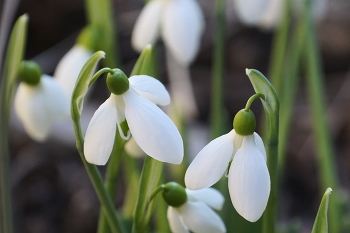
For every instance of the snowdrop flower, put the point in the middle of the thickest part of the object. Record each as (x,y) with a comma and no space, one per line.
(133,101)
(39,101)
(180,23)
(248,176)
(192,210)
(68,68)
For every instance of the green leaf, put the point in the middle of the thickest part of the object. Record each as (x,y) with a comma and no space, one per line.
(145,63)
(83,83)
(321,222)
(263,86)
(152,169)
(14,56)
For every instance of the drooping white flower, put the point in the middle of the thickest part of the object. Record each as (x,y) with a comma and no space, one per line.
(68,69)
(38,106)
(180,22)
(136,103)
(248,176)
(191,210)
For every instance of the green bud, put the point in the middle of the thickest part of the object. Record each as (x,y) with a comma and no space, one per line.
(88,38)
(174,194)
(117,82)
(30,72)
(244,122)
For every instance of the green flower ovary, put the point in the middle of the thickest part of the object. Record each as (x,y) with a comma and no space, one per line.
(117,82)
(244,122)
(30,72)
(174,194)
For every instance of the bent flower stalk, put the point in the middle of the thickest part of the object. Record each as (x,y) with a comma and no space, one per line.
(248,176)
(133,101)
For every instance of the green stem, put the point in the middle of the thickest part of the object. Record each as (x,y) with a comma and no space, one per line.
(150,177)
(99,73)
(111,179)
(99,14)
(251,100)
(95,177)
(216,117)
(14,56)
(325,150)
(279,50)
(289,85)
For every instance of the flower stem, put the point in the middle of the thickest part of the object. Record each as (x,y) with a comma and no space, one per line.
(325,150)
(14,56)
(251,100)
(150,176)
(279,50)
(111,179)
(99,13)
(216,117)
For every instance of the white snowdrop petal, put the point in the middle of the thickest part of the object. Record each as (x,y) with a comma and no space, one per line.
(259,142)
(150,88)
(250,11)
(30,108)
(57,102)
(100,134)
(68,68)
(272,14)
(211,163)
(175,222)
(249,181)
(146,29)
(182,25)
(152,129)
(209,196)
(198,217)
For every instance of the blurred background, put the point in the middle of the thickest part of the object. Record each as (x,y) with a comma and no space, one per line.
(51,189)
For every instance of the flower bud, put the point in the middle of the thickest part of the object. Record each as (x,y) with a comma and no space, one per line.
(174,194)
(244,122)
(30,72)
(117,82)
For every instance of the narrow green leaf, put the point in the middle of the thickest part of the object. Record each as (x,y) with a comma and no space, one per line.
(271,107)
(83,82)
(321,221)
(13,59)
(145,63)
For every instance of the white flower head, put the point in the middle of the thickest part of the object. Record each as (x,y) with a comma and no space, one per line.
(133,100)
(248,176)
(39,103)
(192,210)
(180,23)
(68,69)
